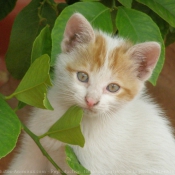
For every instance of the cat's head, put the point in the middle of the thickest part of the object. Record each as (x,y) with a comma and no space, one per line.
(101,73)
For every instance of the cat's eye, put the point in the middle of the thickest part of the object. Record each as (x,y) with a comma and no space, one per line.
(113,87)
(82,76)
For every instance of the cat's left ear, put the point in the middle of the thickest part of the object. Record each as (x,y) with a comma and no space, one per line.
(78,31)
(145,56)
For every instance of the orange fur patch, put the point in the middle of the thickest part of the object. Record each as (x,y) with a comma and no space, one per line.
(123,67)
(98,51)
(92,57)
(118,55)
(70,69)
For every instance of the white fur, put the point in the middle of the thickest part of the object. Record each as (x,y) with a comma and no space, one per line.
(122,137)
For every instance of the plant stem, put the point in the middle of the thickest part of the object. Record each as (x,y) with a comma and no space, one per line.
(36,140)
(9,97)
(43,135)
(40,11)
(113,3)
(53,6)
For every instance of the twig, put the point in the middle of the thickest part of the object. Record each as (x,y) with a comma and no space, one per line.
(36,140)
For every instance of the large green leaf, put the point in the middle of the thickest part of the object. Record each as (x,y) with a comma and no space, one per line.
(73,162)
(6,6)
(139,27)
(161,23)
(26,27)
(164,8)
(126,3)
(96,13)
(10,128)
(42,44)
(67,129)
(32,88)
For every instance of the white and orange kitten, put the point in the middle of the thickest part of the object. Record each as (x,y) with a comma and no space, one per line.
(125,132)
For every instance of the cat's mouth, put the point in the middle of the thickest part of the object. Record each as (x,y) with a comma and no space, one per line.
(89,111)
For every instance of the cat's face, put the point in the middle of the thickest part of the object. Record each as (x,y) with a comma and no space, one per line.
(101,79)
(99,75)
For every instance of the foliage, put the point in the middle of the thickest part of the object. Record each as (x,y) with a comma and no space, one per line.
(67,129)
(27,25)
(30,88)
(73,162)
(35,43)
(9,130)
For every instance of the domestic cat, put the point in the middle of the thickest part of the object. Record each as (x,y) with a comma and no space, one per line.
(125,131)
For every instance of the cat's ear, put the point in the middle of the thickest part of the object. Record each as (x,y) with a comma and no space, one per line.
(146,56)
(78,30)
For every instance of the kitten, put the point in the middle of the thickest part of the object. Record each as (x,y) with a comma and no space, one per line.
(125,132)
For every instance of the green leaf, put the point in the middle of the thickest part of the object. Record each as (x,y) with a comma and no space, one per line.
(161,23)
(42,44)
(73,162)
(139,27)
(26,27)
(6,7)
(164,8)
(10,128)
(126,3)
(20,105)
(32,88)
(94,12)
(67,129)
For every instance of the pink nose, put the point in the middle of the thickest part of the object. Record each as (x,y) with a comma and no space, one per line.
(91,102)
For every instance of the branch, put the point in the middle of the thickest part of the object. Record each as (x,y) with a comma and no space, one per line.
(36,140)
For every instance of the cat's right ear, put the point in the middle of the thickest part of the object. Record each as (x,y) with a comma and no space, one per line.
(146,56)
(78,31)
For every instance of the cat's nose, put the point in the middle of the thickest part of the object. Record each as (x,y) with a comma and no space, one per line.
(91,102)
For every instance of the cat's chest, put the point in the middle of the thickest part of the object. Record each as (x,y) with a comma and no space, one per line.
(100,150)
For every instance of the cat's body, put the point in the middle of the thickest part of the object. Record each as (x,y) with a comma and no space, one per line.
(125,133)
